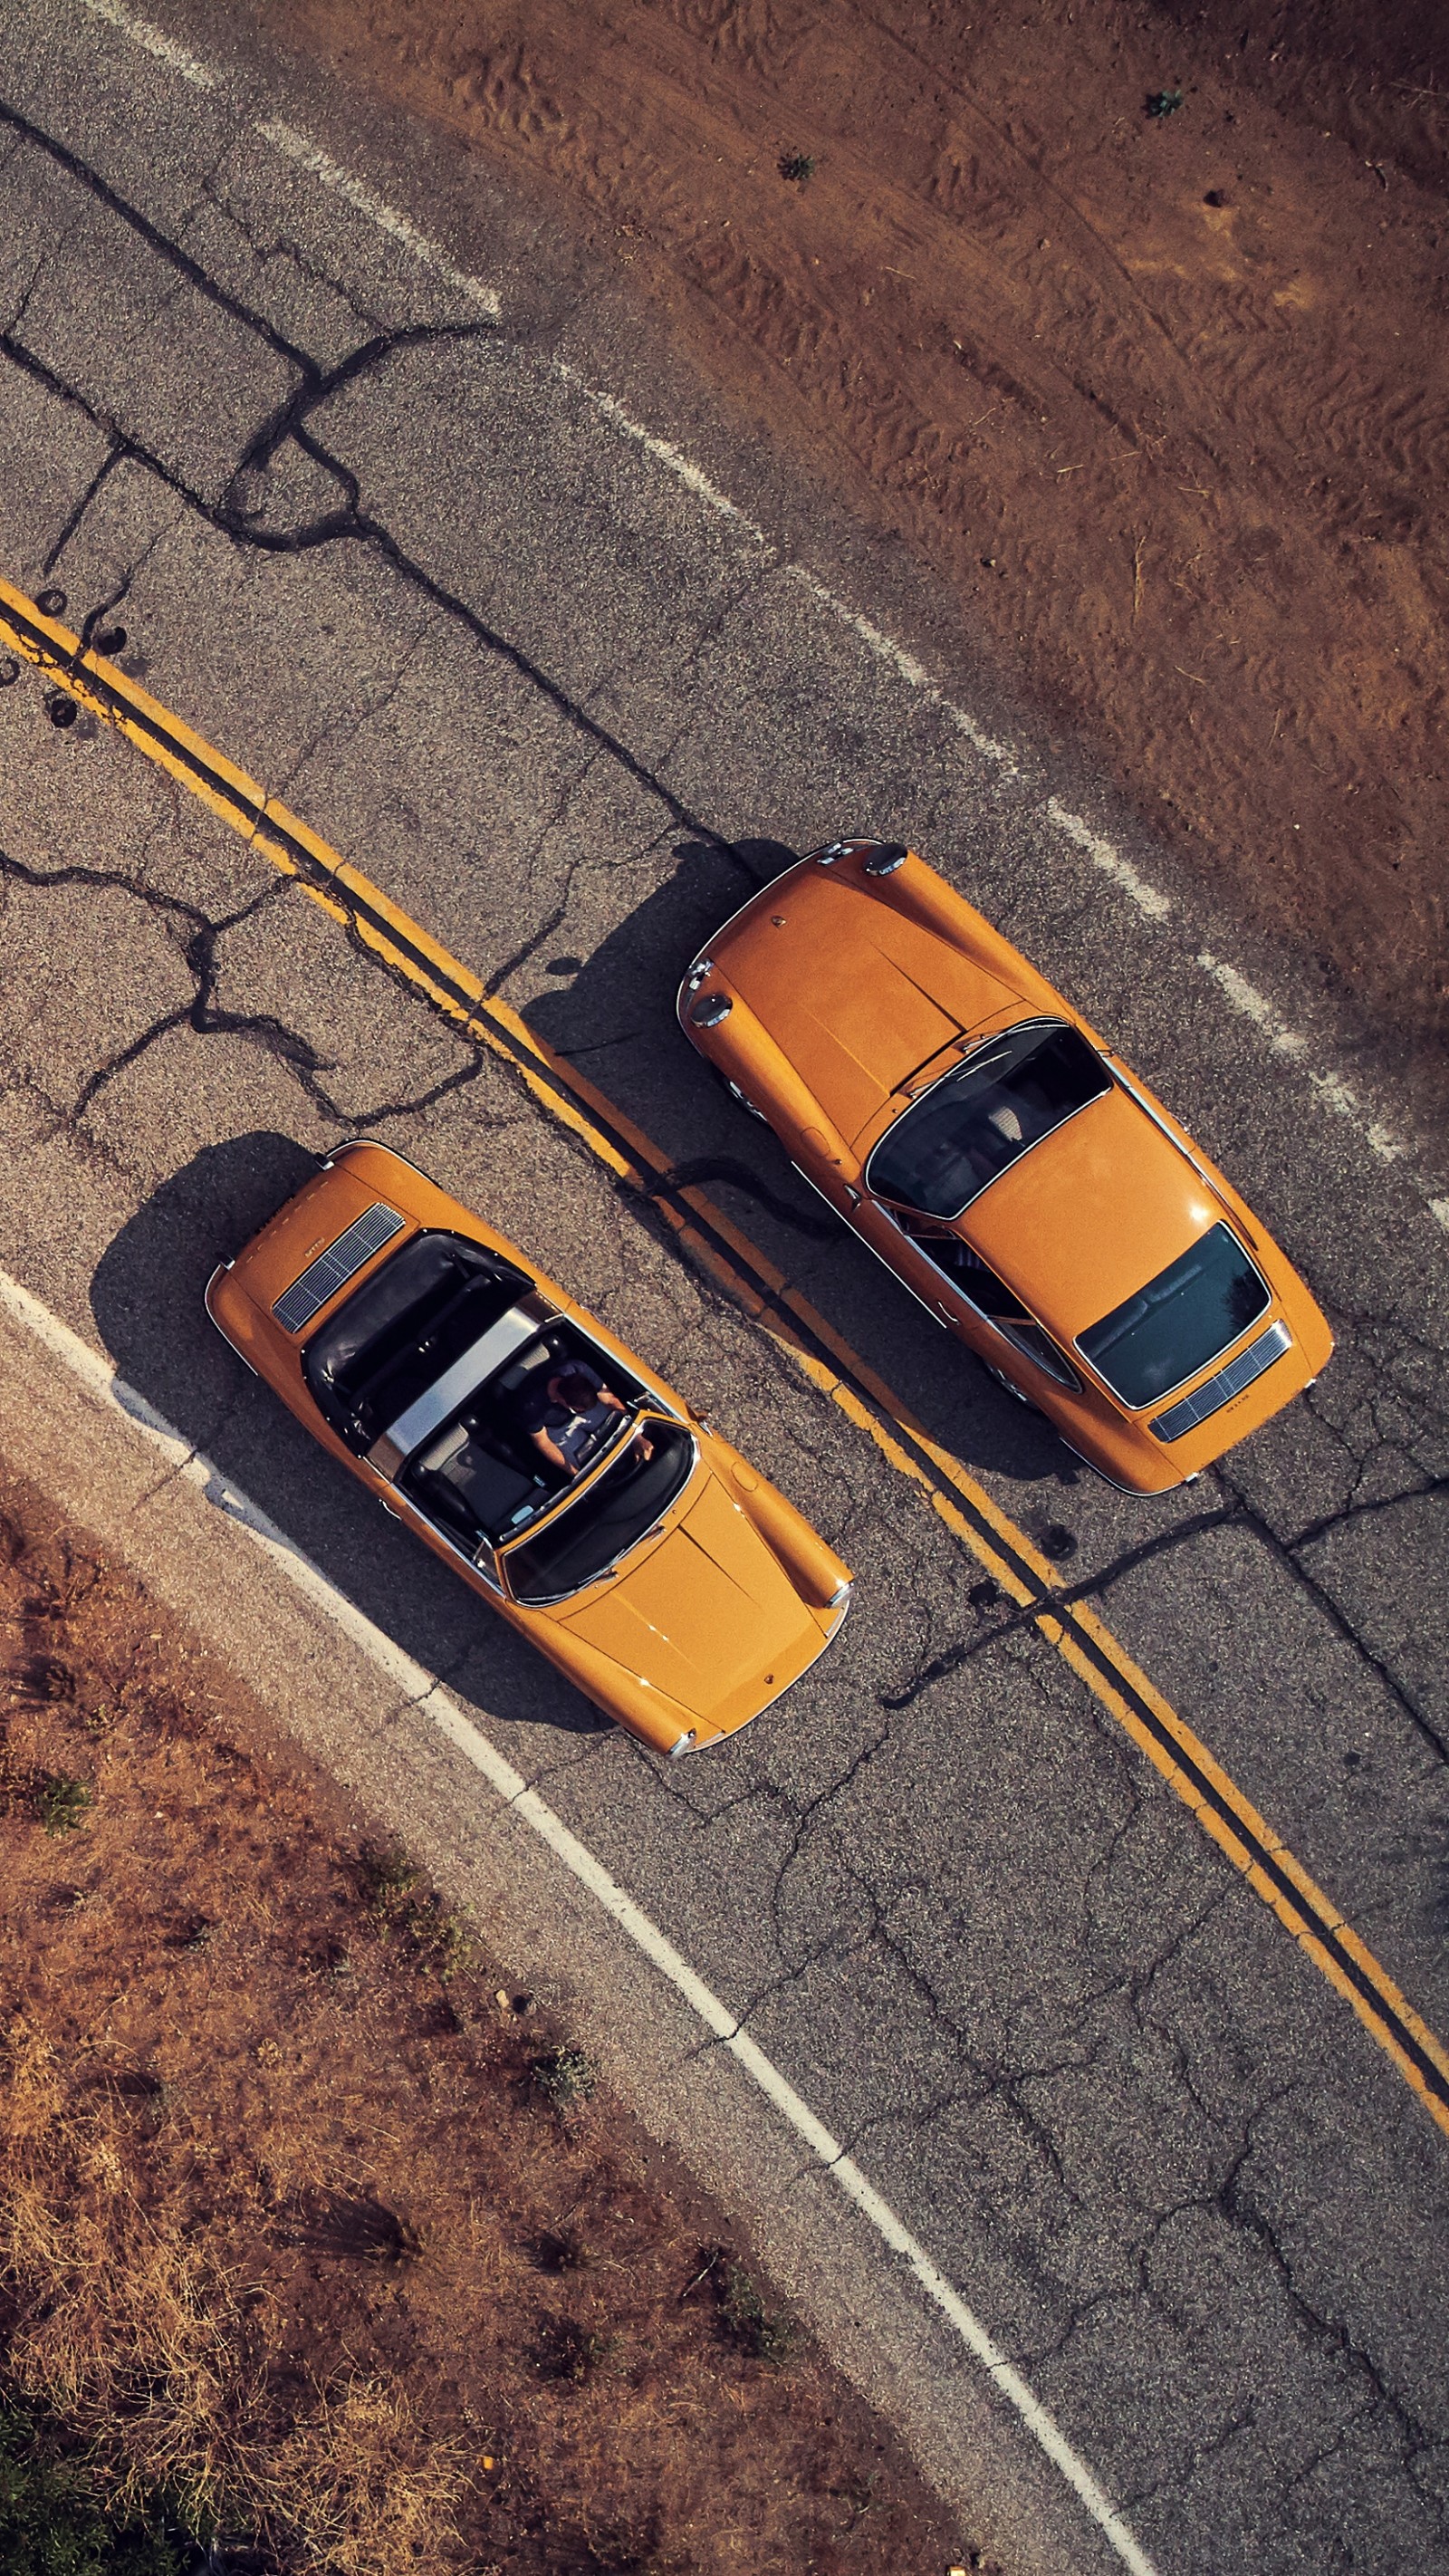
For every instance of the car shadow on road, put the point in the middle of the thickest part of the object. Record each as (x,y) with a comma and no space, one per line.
(147,1295)
(613,1015)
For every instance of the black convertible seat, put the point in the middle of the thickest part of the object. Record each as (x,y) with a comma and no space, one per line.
(403,1328)
(475,1487)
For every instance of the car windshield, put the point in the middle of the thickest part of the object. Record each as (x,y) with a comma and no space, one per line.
(1186,1317)
(969,1127)
(608,1518)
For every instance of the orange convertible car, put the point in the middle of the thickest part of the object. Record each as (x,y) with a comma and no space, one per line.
(972,1129)
(573,1489)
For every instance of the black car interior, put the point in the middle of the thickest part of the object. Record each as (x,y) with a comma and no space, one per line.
(416,1315)
(482,1477)
(972,1125)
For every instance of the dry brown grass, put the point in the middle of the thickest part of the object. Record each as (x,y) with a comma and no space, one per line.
(363,2486)
(309,2227)
(129,2332)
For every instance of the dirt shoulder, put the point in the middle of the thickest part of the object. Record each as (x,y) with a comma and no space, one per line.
(1165,397)
(310,2228)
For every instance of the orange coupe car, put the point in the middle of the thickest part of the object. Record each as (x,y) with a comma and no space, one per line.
(971,1128)
(581,1497)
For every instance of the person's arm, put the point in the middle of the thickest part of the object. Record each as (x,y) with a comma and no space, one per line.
(550,1448)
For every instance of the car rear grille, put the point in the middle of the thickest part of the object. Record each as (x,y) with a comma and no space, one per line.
(333,1268)
(1220,1390)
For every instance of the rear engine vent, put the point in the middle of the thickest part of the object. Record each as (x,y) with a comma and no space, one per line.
(333,1268)
(1220,1390)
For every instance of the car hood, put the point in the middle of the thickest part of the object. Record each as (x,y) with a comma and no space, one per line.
(1089,1215)
(857,996)
(708,1614)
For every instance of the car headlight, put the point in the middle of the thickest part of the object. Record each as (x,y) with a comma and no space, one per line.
(709,1013)
(885,858)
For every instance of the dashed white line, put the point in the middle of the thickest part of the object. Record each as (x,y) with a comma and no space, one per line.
(1245,997)
(1104,854)
(1333,1090)
(907,668)
(664,453)
(155,41)
(428,1698)
(285,138)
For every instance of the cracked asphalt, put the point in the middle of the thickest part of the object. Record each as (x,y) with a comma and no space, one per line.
(394,560)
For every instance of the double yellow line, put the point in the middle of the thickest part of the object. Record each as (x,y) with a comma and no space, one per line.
(715,1242)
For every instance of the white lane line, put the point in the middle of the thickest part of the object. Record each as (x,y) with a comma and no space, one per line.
(907,668)
(1105,855)
(1334,1091)
(155,41)
(664,453)
(285,138)
(884,647)
(428,1697)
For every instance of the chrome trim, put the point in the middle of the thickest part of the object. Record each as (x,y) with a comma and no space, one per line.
(1216,1391)
(705,957)
(429,1411)
(1136,1491)
(1067,1385)
(851,1227)
(828,1637)
(472,1564)
(349,1252)
(375,1145)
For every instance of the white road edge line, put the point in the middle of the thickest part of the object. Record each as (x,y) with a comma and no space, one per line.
(286,139)
(428,1696)
(155,41)
(1333,1090)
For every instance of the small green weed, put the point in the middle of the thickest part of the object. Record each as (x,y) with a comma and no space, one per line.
(50,2522)
(565,2077)
(389,1883)
(566,2350)
(765,2333)
(1165,102)
(797,167)
(61,1803)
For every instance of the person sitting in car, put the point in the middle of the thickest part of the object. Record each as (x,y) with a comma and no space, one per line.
(573,1416)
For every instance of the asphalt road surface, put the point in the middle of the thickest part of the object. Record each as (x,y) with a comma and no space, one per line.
(387,548)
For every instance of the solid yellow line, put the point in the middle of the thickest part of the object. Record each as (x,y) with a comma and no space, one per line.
(534,1060)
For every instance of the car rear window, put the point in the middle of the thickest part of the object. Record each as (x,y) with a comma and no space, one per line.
(970,1127)
(1183,1319)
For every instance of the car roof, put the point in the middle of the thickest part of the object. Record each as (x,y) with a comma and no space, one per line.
(1087,1217)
